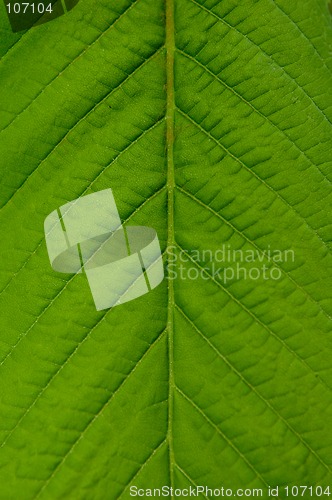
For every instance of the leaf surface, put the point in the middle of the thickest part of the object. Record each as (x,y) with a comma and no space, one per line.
(211,122)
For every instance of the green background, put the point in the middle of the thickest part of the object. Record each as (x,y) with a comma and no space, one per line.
(211,124)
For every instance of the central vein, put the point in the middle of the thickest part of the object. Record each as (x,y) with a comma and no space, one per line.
(170,112)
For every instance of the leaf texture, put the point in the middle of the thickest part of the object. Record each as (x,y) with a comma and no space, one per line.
(211,122)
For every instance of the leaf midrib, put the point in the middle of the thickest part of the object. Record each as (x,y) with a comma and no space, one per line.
(170,115)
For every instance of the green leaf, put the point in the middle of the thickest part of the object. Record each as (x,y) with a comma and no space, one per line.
(211,122)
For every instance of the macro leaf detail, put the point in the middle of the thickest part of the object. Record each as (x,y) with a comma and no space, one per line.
(210,121)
